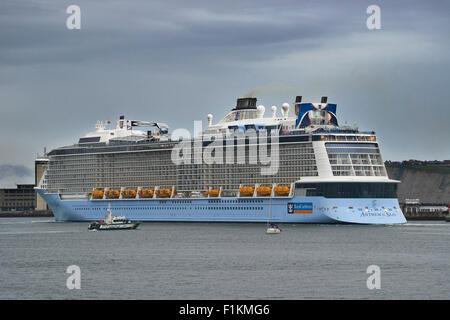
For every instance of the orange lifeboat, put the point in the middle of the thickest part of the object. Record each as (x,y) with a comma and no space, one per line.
(129,194)
(264,191)
(212,192)
(98,194)
(146,193)
(282,190)
(246,191)
(163,193)
(113,194)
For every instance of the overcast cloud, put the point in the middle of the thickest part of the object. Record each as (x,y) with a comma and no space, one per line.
(177,61)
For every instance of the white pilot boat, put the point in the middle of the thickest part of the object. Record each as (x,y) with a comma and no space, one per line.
(114,223)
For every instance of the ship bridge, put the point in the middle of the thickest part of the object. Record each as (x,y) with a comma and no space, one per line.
(125,131)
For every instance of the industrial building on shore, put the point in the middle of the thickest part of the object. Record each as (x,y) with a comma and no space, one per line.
(23,200)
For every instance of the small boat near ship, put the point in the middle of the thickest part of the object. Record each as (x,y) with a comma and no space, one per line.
(114,223)
(273,229)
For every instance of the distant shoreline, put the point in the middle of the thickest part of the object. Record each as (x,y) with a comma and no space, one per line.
(26,214)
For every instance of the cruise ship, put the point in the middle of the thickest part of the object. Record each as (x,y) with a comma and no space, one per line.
(297,165)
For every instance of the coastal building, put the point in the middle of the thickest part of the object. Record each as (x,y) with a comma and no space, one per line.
(415,209)
(22,198)
(40,165)
(414,206)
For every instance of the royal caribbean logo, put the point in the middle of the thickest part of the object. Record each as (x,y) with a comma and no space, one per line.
(300,207)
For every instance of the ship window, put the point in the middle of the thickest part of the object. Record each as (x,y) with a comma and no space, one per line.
(350,189)
(89,139)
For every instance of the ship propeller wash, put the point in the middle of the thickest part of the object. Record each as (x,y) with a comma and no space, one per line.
(299,166)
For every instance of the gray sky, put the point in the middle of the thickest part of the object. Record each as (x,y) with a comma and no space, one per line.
(177,61)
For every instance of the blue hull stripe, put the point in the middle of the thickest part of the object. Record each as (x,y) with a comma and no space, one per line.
(323,210)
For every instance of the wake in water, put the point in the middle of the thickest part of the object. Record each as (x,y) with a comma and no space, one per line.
(14,222)
(411,224)
(44,221)
(34,232)
(26,222)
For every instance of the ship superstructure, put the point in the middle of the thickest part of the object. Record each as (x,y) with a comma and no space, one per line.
(303,160)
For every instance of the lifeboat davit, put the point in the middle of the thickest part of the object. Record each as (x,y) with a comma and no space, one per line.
(264,191)
(146,193)
(129,194)
(246,191)
(98,194)
(282,190)
(113,194)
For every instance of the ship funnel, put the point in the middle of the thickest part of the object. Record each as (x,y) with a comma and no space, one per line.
(324,100)
(246,103)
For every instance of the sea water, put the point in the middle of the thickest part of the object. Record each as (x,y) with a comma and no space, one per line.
(223,261)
